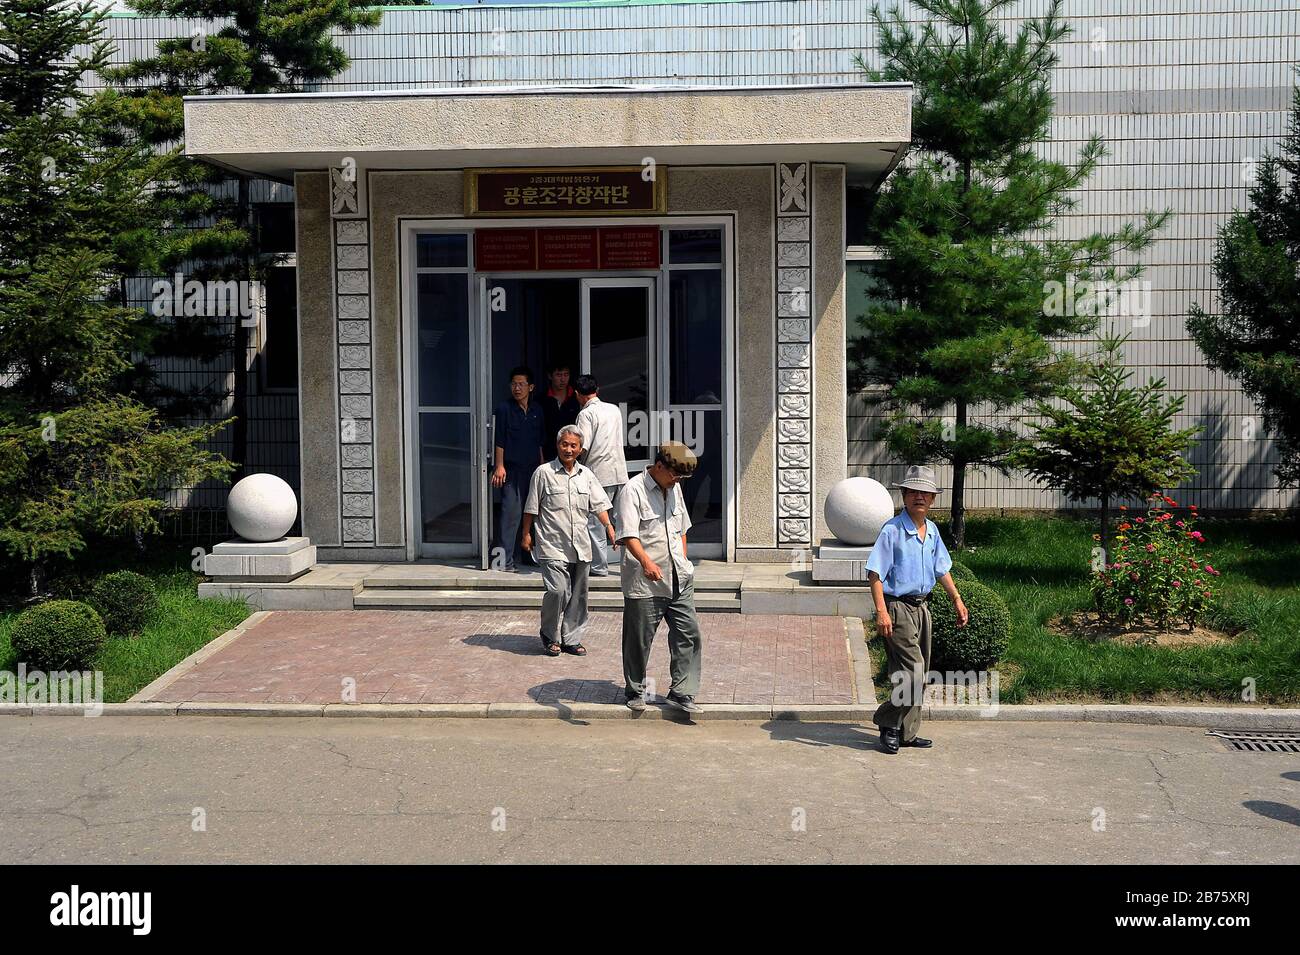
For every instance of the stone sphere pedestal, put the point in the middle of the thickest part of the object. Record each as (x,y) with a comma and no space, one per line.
(856,509)
(261,508)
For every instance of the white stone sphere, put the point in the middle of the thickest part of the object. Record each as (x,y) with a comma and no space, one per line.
(857,508)
(261,508)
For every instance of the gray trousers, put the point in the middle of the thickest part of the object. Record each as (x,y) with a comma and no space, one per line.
(907,654)
(564,605)
(641,616)
(602,555)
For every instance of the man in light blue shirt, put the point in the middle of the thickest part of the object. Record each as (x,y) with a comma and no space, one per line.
(906,561)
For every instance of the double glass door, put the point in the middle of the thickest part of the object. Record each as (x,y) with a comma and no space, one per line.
(655,343)
(601,326)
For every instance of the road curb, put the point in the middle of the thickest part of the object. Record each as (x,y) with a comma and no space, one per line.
(1218,717)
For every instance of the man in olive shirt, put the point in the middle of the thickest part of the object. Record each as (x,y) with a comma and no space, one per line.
(658,581)
(562,495)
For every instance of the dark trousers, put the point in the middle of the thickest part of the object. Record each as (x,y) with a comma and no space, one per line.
(513,495)
(907,654)
(641,616)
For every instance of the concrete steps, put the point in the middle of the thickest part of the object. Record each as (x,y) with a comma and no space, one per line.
(526,582)
(411,590)
(407,597)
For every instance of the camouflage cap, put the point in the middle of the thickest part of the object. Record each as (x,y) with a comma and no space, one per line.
(678,458)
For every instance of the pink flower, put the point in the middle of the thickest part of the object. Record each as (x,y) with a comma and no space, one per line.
(1211,570)
(1178,583)
(1128,601)
(1151,548)
(1141,520)
(1179,524)
(1197,536)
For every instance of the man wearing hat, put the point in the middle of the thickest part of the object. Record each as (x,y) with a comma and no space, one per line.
(658,581)
(906,561)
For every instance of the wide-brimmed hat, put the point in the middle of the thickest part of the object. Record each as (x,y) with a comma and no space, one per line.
(920,478)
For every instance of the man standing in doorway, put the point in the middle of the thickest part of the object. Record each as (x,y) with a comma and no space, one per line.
(559,404)
(601,425)
(518,427)
(907,559)
(658,581)
(562,495)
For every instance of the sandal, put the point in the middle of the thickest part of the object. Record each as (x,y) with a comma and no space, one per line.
(551,649)
(577,649)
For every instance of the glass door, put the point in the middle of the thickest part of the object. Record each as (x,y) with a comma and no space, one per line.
(444,438)
(616,343)
(525,322)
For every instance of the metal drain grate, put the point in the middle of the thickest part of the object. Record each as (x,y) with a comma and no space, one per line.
(1258,741)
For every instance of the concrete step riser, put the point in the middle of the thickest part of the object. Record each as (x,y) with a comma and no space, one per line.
(529,583)
(507,601)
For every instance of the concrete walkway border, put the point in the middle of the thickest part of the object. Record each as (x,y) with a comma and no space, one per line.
(1209,717)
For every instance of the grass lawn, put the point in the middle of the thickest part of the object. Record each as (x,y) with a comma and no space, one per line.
(182,625)
(1041,568)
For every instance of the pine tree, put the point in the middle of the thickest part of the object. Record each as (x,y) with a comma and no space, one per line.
(78,211)
(1109,440)
(247,46)
(964,322)
(1256,337)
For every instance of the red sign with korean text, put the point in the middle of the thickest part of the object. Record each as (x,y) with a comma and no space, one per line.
(505,250)
(632,247)
(566,249)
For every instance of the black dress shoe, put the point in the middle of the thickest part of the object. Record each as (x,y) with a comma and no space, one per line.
(889,739)
(920,742)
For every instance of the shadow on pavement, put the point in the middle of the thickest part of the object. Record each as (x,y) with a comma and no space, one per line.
(1274,810)
(850,735)
(521,644)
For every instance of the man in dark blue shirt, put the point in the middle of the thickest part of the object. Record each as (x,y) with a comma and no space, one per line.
(518,425)
(560,404)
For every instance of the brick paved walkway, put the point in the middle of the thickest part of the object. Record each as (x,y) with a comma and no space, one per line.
(471,656)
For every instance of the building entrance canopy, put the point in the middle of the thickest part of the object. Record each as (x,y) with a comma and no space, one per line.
(864,126)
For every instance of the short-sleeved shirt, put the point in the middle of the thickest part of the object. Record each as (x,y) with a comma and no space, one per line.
(557,414)
(560,500)
(906,565)
(601,425)
(642,511)
(519,433)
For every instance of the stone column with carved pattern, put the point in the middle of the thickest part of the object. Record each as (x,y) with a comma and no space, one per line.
(794,371)
(355,386)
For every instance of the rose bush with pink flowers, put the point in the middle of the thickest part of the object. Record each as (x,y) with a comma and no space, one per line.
(1156,573)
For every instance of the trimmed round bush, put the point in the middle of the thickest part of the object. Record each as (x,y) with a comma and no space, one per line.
(961,572)
(57,635)
(983,640)
(125,600)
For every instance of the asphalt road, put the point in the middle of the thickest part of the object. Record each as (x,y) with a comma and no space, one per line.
(210,789)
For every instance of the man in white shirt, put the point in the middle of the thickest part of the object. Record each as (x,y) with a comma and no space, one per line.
(562,495)
(658,581)
(601,425)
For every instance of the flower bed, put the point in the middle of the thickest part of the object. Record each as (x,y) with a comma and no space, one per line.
(1159,575)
